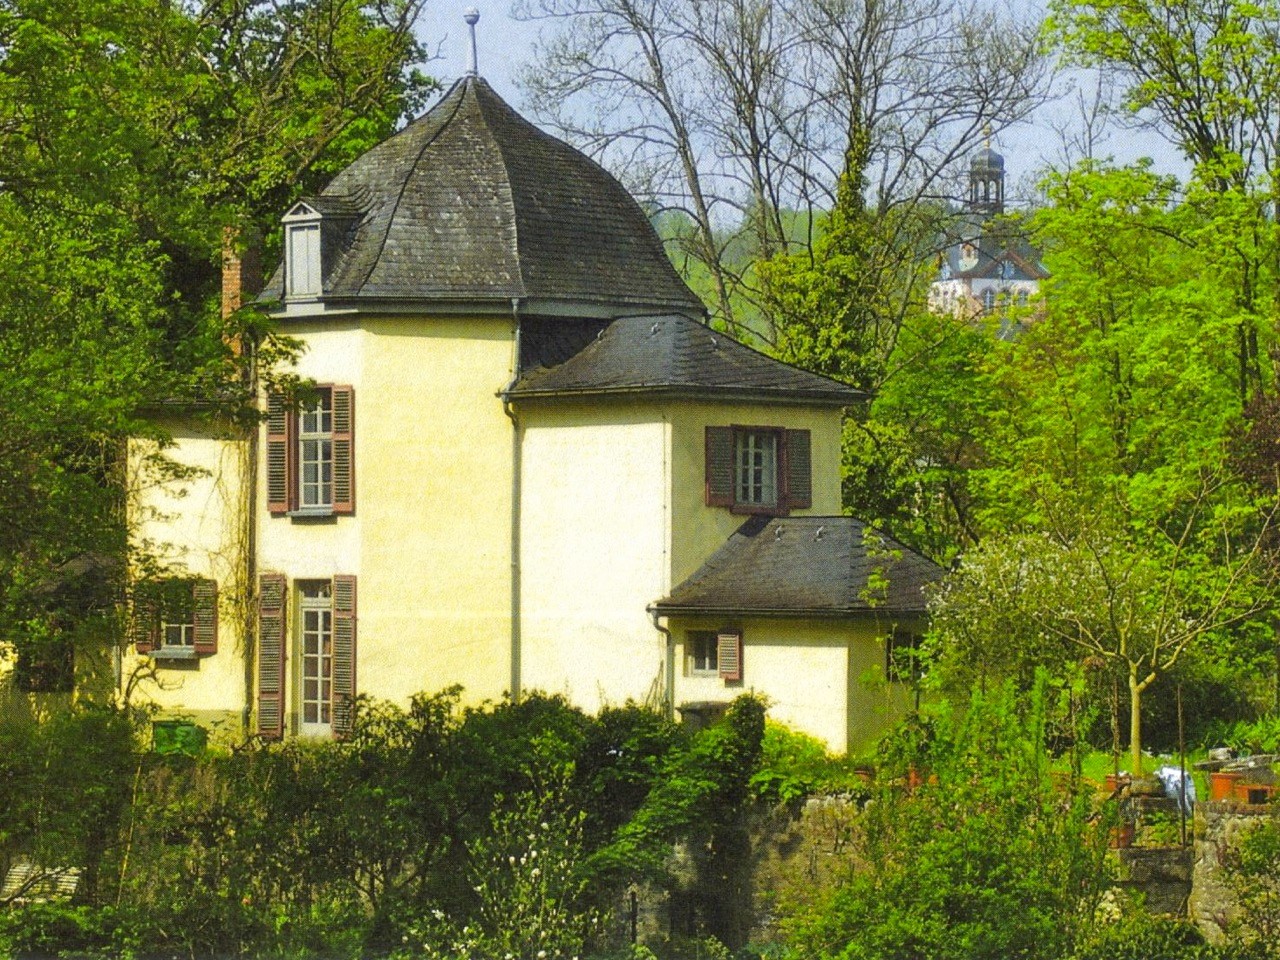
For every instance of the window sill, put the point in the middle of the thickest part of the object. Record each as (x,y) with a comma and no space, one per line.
(755,509)
(176,659)
(312,514)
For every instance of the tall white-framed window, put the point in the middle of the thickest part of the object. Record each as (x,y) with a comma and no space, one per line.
(315,453)
(316,647)
(756,468)
(302,259)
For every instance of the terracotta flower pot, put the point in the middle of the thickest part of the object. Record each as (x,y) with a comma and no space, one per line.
(1222,784)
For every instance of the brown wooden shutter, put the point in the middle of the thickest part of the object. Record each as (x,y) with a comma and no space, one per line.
(799,459)
(729,655)
(344,653)
(272,596)
(146,619)
(719,466)
(344,437)
(280,454)
(204,597)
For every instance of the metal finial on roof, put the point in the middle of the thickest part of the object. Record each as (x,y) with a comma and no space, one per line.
(986,127)
(472,16)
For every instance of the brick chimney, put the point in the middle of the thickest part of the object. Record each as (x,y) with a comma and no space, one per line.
(241,273)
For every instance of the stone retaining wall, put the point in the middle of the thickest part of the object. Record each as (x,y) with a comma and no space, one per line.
(1218,825)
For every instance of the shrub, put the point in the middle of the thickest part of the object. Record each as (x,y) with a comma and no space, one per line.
(794,766)
(983,858)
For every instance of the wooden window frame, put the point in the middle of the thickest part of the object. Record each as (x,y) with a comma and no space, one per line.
(284,454)
(723,482)
(710,667)
(308,233)
(320,442)
(188,604)
(778,507)
(315,597)
(729,656)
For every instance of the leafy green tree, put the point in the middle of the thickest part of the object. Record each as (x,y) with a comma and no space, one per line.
(986,858)
(910,463)
(131,136)
(1206,73)
(701,798)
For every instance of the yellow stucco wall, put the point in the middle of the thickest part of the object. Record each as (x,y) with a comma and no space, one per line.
(697,530)
(195,526)
(614,515)
(594,550)
(429,538)
(825,678)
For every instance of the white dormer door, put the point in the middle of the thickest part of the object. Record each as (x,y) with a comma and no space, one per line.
(302,265)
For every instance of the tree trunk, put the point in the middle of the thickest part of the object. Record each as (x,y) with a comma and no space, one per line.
(1135,722)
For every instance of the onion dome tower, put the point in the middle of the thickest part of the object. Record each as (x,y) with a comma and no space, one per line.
(986,182)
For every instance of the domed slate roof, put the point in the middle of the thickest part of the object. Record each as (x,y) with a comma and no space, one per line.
(473,202)
(986,159)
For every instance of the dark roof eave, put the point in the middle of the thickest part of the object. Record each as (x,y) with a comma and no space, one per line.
(833,398)
(429,300)
(781,613)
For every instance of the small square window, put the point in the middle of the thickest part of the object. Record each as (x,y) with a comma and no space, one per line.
(178,638)
(702,654)
(176,618)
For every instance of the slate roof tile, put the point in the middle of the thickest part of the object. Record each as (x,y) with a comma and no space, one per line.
(669,354)
(473,201)
(805,566)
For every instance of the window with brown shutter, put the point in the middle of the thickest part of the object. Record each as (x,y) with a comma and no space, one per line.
(271,655)
(176,619)
(799,465)
(311,453)
(204,617)
(758,469)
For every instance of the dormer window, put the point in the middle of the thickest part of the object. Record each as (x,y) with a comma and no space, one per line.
(303,246)
(317,231)
(302,269)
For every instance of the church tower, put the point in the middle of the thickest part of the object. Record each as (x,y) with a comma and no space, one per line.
(986,182)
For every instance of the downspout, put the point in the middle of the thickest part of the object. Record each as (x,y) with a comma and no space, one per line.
(249,626)
(516,445)
(669,698)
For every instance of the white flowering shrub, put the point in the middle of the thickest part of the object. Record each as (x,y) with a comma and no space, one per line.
(530,889)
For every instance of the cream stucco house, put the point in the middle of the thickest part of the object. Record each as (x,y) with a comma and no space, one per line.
(526,465)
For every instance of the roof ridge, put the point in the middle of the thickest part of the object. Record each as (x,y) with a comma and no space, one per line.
(506,169)
(410,169)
